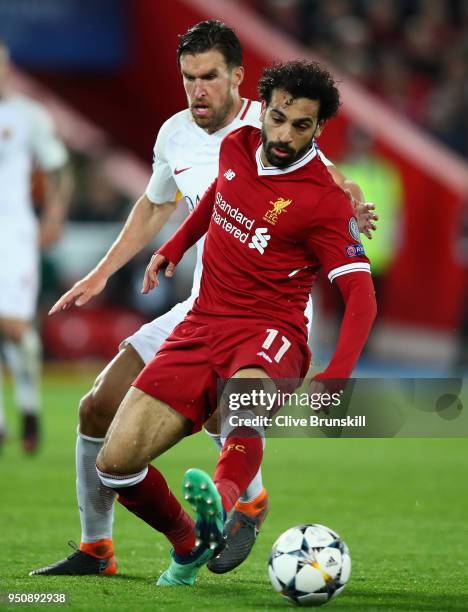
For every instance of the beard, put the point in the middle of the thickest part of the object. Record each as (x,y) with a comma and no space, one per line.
(290,154)
(214,120)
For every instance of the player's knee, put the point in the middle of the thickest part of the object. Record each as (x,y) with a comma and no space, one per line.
(113,459)
(96,413)
(13,330)
(85,411)
(104,461)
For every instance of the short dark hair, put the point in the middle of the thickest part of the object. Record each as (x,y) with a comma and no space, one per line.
(302,79)
(208,35)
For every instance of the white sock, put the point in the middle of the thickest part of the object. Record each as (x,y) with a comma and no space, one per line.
(2,406)
(95,501)
(256,485)
(24,361)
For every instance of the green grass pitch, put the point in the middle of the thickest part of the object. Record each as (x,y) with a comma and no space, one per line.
(400,504)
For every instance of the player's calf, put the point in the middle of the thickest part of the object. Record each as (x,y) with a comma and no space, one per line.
(99,406)
(95,501)
(95,415)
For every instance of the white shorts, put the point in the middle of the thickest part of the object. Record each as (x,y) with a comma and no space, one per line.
(19,272)
(148,339)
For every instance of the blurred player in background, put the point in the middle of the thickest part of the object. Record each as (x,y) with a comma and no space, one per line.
(27,138)
(186,160)
(273,218)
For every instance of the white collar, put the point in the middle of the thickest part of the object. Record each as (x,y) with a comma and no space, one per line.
(263,170)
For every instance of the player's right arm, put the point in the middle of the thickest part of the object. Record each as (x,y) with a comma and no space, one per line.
(144,222)
(148,216)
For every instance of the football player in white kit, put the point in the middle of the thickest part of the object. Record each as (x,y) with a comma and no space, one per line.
(26,136)
(186,160)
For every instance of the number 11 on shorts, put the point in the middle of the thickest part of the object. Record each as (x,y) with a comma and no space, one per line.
(271,336)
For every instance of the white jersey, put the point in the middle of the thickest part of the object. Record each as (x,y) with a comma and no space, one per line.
(26,135)
(186,159)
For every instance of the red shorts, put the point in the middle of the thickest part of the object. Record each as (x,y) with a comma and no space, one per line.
(200,351)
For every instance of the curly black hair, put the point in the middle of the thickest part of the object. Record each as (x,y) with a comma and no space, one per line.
(208,35)
(302,79)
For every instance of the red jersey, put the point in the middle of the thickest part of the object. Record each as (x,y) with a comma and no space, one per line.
(269,231)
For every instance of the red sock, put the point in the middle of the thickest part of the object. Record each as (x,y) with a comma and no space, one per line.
(153,501)
(238,463)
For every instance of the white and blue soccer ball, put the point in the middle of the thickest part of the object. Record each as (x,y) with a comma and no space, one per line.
(309,565)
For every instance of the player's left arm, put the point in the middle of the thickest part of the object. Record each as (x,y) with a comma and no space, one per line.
(357,290)
(364,211)
(51,156)
(335,240)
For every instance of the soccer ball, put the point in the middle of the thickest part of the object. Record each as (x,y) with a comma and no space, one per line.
(309,565)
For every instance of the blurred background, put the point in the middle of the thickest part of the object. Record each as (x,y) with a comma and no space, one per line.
(107,72)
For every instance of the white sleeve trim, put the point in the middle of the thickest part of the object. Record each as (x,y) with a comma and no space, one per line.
(324,159)
(348,268)
(158,200)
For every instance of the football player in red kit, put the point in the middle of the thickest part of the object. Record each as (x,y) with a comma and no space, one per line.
(273,217)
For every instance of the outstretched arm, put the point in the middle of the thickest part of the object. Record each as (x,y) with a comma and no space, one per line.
(144,222)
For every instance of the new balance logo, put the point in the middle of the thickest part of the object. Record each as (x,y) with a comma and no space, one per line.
(260,240)
(229,174)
